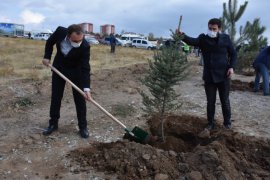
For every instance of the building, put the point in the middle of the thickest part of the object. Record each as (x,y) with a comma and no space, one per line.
(107,29)
(11,29)
(87,27)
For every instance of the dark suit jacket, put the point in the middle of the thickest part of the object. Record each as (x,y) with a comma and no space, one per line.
(263,57)
(77,60)
(218,54)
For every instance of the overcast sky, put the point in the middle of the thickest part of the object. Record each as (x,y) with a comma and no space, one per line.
(141,16)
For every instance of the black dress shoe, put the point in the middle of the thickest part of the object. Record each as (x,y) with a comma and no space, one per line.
(50,129)
(228,126)
(84,133)
(210,126)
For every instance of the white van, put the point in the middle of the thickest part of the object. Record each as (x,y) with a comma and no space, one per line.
(142,43)
(42,36)
(127,38)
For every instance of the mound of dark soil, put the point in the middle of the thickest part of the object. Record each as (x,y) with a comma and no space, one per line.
(129,160)
(241,86)
(238,85)
(221,154)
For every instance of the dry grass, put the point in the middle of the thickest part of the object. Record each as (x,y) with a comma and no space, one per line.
(22,58)
(101,58)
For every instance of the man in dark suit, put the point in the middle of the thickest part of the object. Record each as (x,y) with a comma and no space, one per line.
(71,59)
(219,60)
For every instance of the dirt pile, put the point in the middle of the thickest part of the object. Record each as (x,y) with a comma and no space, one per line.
(242,86)
(129,160)
(238,85)
(187,153)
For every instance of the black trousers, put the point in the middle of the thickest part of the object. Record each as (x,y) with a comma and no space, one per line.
(58,86)
(223,89)
(112,48)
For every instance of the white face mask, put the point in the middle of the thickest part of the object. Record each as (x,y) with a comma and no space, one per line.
(74,44)
(212,34)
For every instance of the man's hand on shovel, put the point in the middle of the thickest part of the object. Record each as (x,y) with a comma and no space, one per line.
(87,96)
(178,31)
(46,62)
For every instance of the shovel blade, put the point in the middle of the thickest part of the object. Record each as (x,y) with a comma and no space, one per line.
(138,135)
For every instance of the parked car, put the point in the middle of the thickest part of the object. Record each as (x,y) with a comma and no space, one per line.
(119,42)
(141,43)
(41,36)
(91,40)
(27,36)
(107,41)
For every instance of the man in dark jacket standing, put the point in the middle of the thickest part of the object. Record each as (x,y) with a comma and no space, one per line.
(219,60)
(71,59)
(112,43)
(262,67)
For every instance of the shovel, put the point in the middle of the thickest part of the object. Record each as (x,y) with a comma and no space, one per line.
(180,21)
(136,134)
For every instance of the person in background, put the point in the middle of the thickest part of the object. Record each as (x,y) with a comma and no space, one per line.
(72,60)
(197,51)
(219,57)
(112,43)
(29,35)
(261,65)
(201,63)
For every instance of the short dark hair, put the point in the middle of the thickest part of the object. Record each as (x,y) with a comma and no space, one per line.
(215,21)
(74,28)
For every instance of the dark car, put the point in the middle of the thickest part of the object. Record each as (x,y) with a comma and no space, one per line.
(105,41)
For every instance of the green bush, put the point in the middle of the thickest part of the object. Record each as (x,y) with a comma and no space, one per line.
(244,62)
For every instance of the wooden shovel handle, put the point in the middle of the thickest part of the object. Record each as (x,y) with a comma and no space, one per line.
(91,100)
(180,21)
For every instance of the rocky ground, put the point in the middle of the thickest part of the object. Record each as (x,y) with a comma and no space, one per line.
(189,152)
